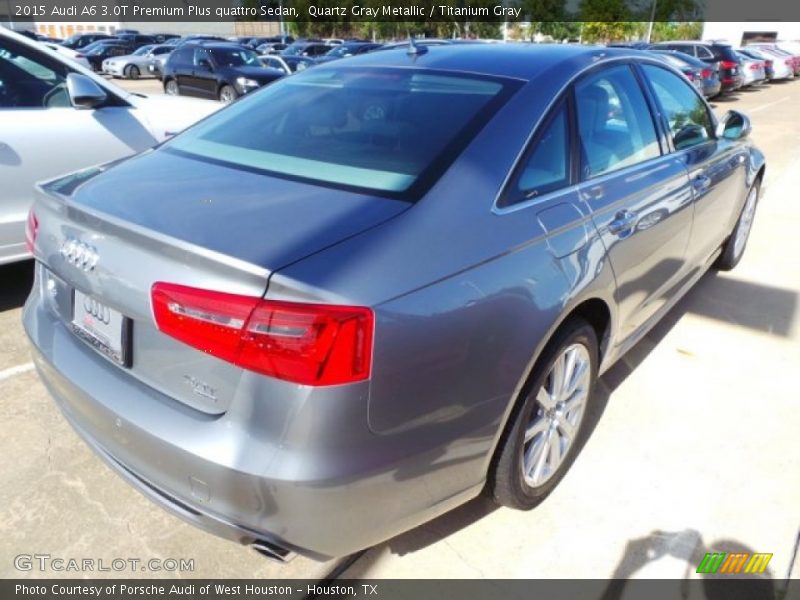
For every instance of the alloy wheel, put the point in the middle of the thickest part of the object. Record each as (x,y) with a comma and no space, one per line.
(556,418)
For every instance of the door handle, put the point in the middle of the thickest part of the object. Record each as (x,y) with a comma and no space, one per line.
(623,221)
(701,183)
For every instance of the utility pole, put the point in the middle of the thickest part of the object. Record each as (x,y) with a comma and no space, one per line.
(652,18)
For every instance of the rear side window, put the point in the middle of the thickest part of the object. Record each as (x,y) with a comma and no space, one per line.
(382,129)
(182,57)
(547,167)
(615,127)
(703,52)
(686,113)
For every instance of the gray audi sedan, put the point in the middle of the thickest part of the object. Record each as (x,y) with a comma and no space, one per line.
(363,295)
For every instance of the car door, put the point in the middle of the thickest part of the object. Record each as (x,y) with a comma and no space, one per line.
(204,80)
(639,196)
(180,64)
(716,166)
(42,135)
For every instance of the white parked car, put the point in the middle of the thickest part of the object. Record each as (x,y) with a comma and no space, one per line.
(69,53)
(56,117)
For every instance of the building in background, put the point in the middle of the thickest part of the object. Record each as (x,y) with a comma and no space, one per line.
(751,31)
(224,29)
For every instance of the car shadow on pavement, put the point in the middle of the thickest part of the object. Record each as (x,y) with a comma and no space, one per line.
(17,280)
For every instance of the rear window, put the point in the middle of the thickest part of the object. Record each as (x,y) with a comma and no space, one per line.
(727,53)
(391,131)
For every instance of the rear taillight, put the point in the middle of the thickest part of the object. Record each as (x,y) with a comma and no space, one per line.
(689,75)
(728,64)
(755,67)
(31,231)
(706,73)
(311,344)
(789,62)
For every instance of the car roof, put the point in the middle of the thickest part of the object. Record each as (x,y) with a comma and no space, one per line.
(215,45)
(516,60)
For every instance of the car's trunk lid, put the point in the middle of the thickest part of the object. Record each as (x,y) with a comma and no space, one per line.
(163,217)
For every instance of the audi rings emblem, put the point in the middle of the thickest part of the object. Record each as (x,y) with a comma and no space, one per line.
(97,310)
(79,254)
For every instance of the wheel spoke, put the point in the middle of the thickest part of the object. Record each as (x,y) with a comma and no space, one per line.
(539,425)
(567,429)
(541,458)
(554,456)
(544,399)
(579,372)
(557,377)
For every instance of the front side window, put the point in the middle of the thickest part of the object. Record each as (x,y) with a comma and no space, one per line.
(235,57)
(379,129)
(28,80)
(686,114)
(614,123)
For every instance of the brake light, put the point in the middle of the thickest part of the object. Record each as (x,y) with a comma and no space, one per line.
(31,231)
(728,64)
(311,344)
(706,73)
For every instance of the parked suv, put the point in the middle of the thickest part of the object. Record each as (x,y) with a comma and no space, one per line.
(723,56)
(217,70)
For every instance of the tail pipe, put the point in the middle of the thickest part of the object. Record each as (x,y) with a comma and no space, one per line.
(273,551)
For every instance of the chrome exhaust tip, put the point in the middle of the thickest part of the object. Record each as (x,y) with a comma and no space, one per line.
(272,551)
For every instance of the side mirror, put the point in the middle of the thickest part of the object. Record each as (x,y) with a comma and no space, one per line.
(689,135)
(734,126)
(204,64)
(83,92)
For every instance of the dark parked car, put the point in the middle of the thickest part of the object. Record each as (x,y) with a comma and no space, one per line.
(271,48)
(311,49)
(99,51)
(219,70)
(709,77)
(287,64)
(366,294)
(347,49)
(81,40)
(136,40)
(273,39)
(164,37)
(722,56)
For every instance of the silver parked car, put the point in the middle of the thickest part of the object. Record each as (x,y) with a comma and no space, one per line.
(56,116)
(134,66)
(753,71)
(359,297)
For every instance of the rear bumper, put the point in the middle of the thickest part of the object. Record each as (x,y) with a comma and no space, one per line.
(216,472)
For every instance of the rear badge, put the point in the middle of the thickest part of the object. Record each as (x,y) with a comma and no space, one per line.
(201,388)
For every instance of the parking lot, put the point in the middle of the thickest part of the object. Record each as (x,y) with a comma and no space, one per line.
(696,450)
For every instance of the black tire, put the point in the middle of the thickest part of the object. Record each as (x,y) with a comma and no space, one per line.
(171,88)
(227,94)
(132,72)
(506,482)
(731,255)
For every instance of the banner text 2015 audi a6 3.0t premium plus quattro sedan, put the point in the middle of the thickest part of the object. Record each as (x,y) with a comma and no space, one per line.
(365,294)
